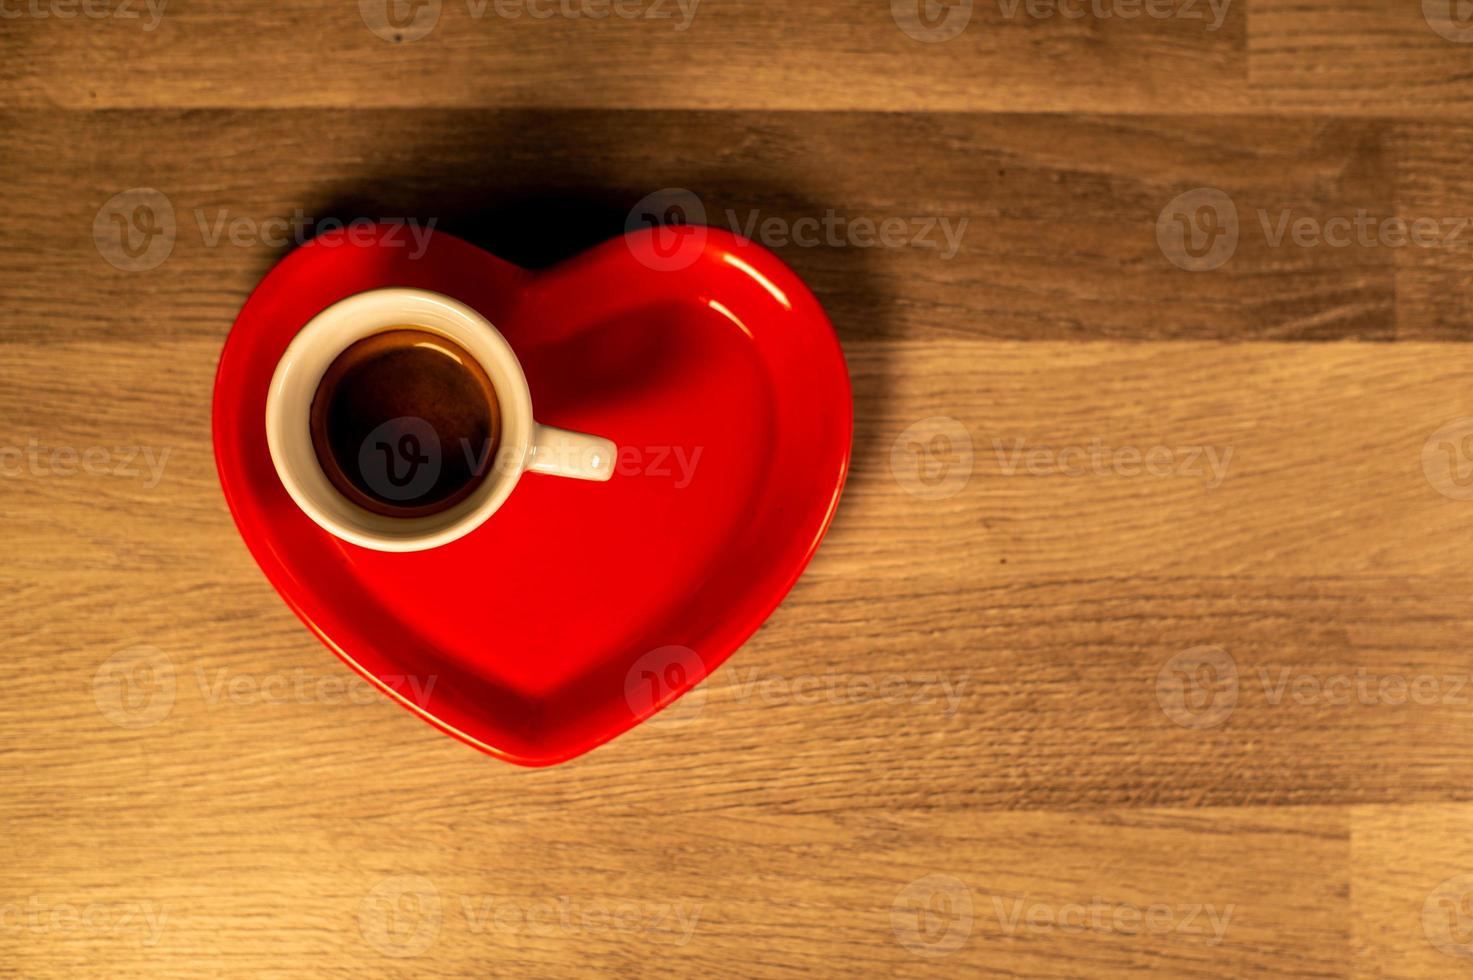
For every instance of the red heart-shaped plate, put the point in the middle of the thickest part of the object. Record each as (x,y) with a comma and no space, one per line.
(578,609)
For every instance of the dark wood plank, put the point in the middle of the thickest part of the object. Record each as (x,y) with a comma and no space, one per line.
(675,54)
(1433,298)
(1036,227)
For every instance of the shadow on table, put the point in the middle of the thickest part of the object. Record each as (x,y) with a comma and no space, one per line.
(536,194)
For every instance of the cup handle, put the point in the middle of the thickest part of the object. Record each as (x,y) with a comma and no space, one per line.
(558,452)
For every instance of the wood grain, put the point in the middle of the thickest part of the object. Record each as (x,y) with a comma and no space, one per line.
(1410,884)
(1018,227)
(1056,483)
(1013,672)
(1139,644)
(1361,57)
(667,54)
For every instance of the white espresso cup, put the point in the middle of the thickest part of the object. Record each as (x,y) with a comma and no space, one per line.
(525,445)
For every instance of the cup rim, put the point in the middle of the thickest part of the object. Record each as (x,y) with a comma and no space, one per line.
(299,371)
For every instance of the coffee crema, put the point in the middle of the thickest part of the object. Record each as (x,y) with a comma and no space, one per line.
(405,423)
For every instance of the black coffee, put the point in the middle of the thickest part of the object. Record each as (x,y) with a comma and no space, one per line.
(405,423)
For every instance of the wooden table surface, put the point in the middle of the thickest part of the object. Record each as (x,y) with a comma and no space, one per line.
(1140,641)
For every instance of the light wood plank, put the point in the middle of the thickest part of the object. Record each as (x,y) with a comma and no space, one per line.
(1048,895)
(1411,874)
(1090,461)
(1051,604)
(1361,57)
